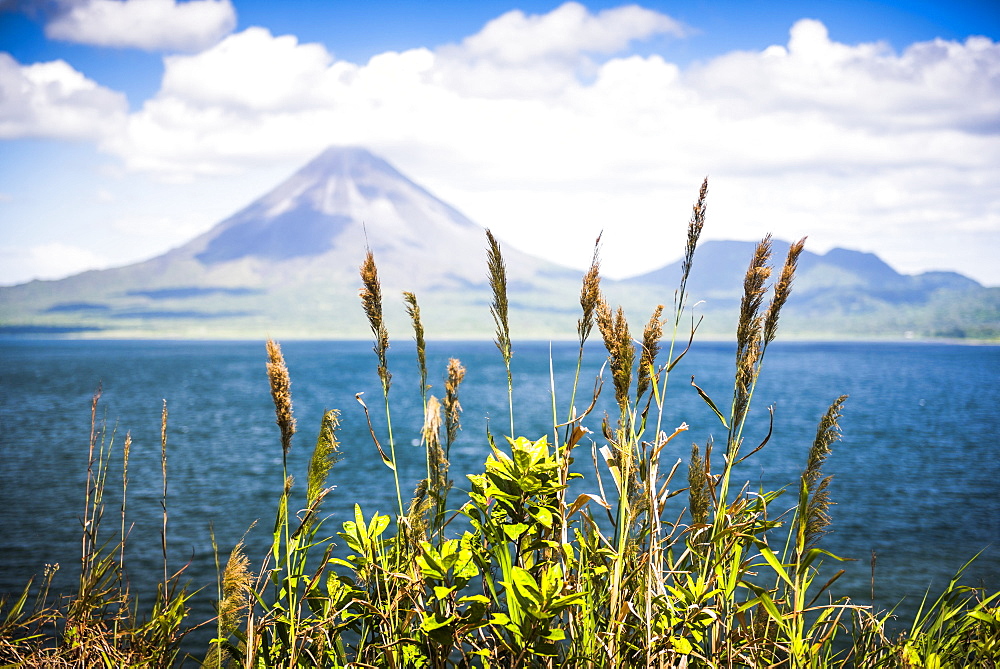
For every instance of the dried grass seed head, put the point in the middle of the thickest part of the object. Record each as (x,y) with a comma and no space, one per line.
(498,283)
(590,294)
(237,581)
(698,494)
(651,336)
(695,226)
(749,328)
(413,309)
(325,455)
(277,373)
(782,289)
(621,353)
(452,407)
(371,300)
(754,287)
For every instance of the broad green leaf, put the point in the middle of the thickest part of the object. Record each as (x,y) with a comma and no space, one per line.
(431,623)
(515,530)
(378,525)
(500,619)
(441,592)
(465,566)
(543,516)
(525,585)
(430,567)
(681,645)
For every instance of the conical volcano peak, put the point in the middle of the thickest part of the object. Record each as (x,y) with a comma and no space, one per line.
(348,161)
(345,198)
(334,179)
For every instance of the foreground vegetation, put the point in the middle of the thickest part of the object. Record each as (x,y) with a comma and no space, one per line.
(528,563)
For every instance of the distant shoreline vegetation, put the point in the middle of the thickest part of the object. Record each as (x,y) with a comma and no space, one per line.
(54,333)
(283,266)
(528,563)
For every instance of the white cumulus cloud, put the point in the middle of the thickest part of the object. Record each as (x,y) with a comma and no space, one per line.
(54,100)
(528,55)
(152,25)
(253,71)
(543,122)
(934,84)
(563,34)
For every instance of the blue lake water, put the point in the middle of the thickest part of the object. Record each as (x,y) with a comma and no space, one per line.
(916,477)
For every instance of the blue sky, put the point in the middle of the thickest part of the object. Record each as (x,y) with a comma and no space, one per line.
(129,126)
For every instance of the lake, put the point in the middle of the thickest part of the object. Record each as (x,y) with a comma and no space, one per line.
(916,477)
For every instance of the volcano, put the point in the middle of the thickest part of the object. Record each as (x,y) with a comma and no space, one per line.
(288,263)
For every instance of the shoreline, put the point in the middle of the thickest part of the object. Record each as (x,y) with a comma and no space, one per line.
(786,339)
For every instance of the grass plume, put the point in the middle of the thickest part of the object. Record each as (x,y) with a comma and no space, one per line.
(277,374)
(500,308)
(813,517)
(651,336)
(621,353)
(324,457)
(694,228)
(452,407)
(590,295)
(590,300)
(782,289)
(699,496)
(371,302)
(749,345)
(413,310)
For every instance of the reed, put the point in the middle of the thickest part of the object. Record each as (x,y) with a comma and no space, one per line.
(101,623)
(590,299)
(527,562)
(371,301)
(500,310)
(413,310)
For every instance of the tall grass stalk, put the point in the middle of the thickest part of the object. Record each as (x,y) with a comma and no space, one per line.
(371,300)
(590,297)
(500,309)
(163,478)
(100,624)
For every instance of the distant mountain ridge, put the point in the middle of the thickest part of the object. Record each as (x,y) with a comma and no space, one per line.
(842,293)
(287,266)
(841,273)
